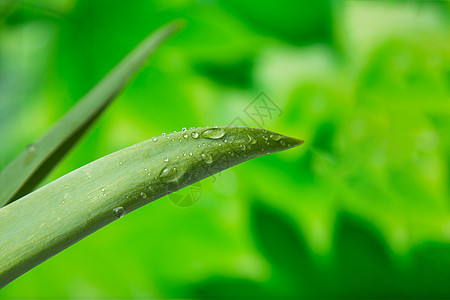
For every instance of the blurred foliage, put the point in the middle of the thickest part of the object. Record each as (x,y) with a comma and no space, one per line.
(361,209)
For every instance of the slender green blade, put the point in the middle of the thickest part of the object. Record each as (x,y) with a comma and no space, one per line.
(31,166)
(50,219)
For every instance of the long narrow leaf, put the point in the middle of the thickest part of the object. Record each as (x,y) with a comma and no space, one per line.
(52,218)
(31,166)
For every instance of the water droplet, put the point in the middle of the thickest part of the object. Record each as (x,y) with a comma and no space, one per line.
(282,142)
(225,141)
(275,137)
(184,154)
(163,134)
(166,159)
(199,145)
(213,133)
(119,212)
(207,158)
(103,189)
(243,147)
(194,134)
(31,148)
(120,163)
(190,154)
(143,195)
(66,195)
(251,140)
(154,139)
(185,136)
(168,174)
(145,169)
(265,137)
(183,129)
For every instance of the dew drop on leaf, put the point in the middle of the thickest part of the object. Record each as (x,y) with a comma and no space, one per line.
(119,212)
(31,148)
(207,158)
(213,133)
(275,137)
(168,174)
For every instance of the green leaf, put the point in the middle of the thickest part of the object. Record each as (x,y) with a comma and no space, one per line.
(66,210)
(431,270)
(297,22)
(362,260)
(31,166)
(229,288)
(293,271)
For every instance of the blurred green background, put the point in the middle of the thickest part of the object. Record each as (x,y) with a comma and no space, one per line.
(362,208)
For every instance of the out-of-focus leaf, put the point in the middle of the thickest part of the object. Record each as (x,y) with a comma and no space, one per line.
(298,22)
(231,73)
(229,288)
(431,270)
(31,166)
(363,265)
(286,251)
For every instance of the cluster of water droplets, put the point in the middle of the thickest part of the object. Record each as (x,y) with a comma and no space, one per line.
(171,172)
